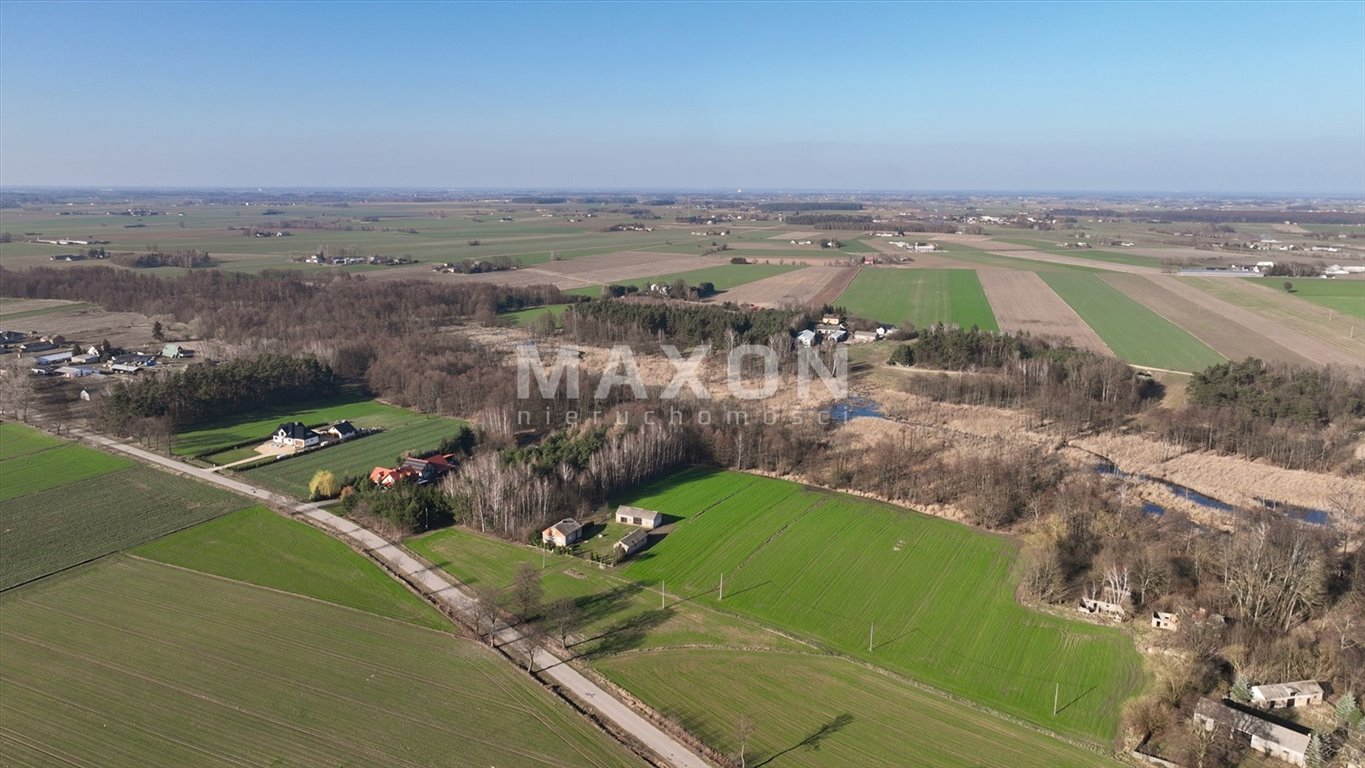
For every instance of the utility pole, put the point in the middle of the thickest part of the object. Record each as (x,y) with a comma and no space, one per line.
(870,629)
(663,591)
(1057,689)
(722,586)
(542,557)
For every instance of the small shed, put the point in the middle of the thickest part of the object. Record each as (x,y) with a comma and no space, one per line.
(562,533)
(1299,693)
(1166,621)
(630,543)
(647,519)
(174,351)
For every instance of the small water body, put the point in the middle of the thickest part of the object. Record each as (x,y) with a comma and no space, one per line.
(854,407)
(1307,515)
(1155,510)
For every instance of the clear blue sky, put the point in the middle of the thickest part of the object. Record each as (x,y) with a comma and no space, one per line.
(1223,97)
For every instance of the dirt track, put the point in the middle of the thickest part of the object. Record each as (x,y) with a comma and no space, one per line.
(1023,302)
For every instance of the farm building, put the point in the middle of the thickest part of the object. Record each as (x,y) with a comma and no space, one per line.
(11,337)
(1167,621)
(630,543)
(36,346)
(562,533)
(645,518)
(295,434)
(85,359)
(1093,607)
(806,338)
(1274,737)
(343,430)
(175,351)
(124,368)
(75,371)
(430,468)
(1281,695)
(54,358)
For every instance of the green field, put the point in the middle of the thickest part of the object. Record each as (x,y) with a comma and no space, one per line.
(617,614)
(526,316)
(129,662)
(355,457)
(260,424)
(724,277)
(18,440)
(260,547)
(921,296)
(814,711)
(1134,332)
(67,464)
(105,504)
(1345,295)
(940,595)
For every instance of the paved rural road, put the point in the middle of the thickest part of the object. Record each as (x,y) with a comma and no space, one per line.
(439,585)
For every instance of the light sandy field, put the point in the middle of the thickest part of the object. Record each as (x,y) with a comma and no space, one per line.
(1309,329)
(1023,302)
(812,285)
(1230,338)
(800,234)
(1290,229)
(590,270)
(1053,258)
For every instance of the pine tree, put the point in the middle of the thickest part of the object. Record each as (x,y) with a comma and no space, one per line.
(1313,755)
(1241,689)
(1346,711)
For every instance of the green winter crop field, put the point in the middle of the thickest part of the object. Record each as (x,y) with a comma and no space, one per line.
(260,547)
(1342,294)
(922,296)
(355,457)
(1134,332)
(937,596)
(260,424)
(62,504)
(858,718)
(130,662)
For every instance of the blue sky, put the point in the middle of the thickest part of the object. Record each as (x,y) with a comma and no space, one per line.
(1224,97)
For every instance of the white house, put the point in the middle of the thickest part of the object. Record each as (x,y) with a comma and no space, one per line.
(1299,693)
(630,543)
(296,435)
(645,518)
(562,533)
(806,338)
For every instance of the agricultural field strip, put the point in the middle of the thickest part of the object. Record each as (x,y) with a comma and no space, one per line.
(1021,301)
(811,285)
(1229,338)
(1279,312)
(227,433)
(1132,331)
(1339,294)
(238,636)
(921,296)
(54,468)
(1058,259)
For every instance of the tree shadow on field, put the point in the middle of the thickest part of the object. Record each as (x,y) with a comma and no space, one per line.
(594,608)
(815,738)
(628,635)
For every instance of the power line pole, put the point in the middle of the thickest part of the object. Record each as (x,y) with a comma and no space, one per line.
(663,591)
(1056,690)
(722,586)
(870,629)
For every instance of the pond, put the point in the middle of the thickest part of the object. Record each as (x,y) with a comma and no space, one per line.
(1306,514)
(845,411)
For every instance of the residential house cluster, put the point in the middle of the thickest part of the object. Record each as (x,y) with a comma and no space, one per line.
(414,469)
(832,329)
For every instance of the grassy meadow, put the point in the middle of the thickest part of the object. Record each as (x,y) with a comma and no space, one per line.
(1345,295)
(1134,332)
(129,662)
(921,296)
(938,597)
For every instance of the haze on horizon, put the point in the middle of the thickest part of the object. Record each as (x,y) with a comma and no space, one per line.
(1255,98)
